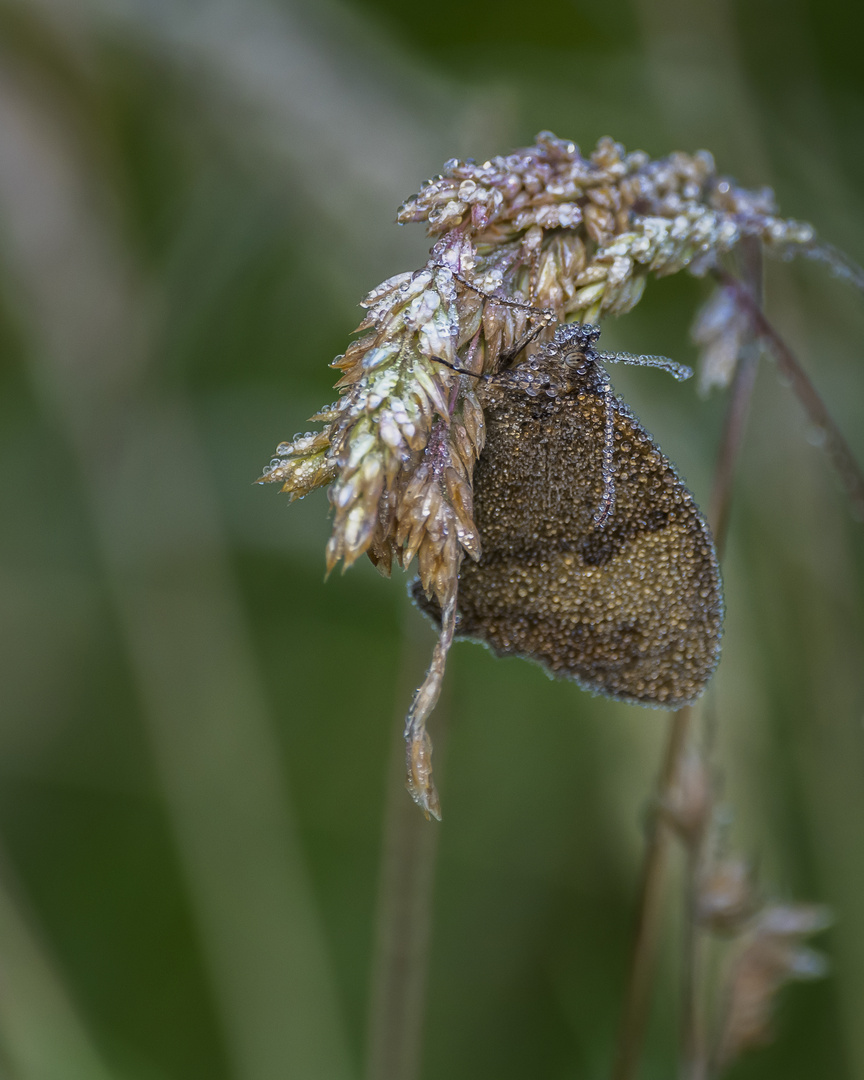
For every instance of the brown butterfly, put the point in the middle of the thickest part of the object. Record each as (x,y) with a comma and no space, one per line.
(596,561)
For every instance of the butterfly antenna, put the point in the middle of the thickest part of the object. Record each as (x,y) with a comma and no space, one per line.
(677,371)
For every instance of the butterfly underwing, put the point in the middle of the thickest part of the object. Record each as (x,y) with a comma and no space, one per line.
(596,561)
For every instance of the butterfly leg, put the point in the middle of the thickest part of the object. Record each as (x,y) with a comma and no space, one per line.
(458,370)
(545,316)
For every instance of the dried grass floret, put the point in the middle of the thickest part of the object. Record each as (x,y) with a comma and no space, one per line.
(771,954)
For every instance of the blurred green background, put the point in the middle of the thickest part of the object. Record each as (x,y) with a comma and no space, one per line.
(198,736)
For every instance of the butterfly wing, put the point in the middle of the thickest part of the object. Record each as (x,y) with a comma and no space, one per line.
(632,610)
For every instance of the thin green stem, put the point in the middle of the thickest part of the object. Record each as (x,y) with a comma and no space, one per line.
(833,440)
(659,836)
(650,909)
(693,1060)
(400,958)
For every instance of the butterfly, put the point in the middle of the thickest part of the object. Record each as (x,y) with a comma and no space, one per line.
(596,561)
